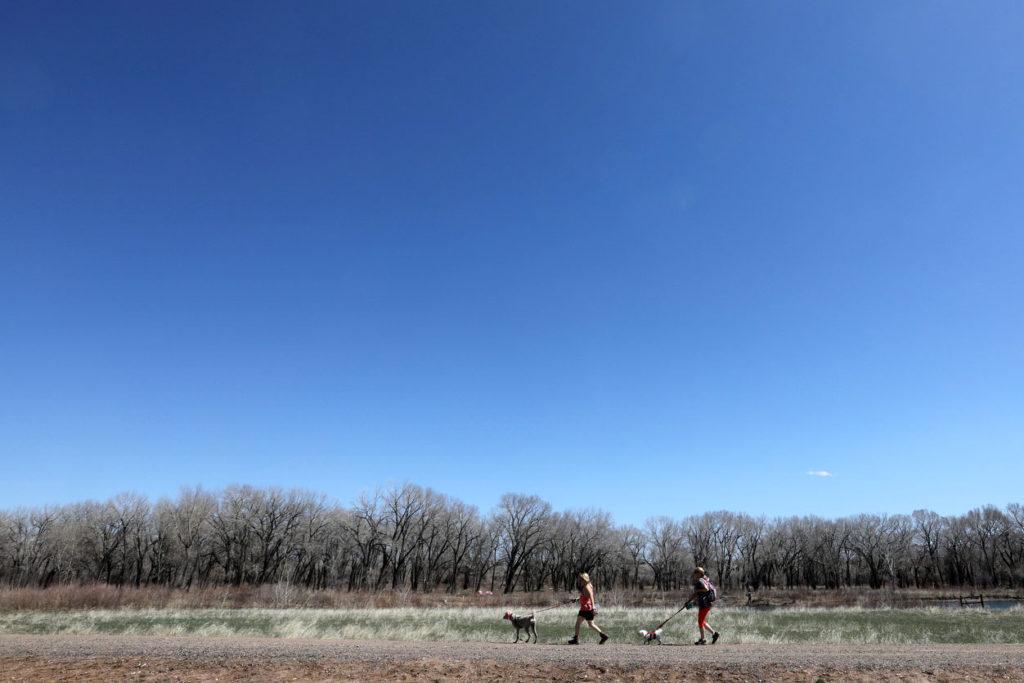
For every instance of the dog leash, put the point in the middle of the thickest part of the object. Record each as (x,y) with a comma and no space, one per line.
(670,618)
(561,604)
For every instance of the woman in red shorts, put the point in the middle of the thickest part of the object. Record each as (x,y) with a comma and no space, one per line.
(588,609)
(702,593)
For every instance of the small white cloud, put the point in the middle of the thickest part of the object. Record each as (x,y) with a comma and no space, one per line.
(818,473)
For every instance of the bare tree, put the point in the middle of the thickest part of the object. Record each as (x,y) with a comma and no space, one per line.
(666,541)
(409,537)
(521,522)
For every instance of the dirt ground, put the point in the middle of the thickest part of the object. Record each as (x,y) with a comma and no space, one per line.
(130,658)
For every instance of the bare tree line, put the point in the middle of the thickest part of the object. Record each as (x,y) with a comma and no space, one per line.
(413,538)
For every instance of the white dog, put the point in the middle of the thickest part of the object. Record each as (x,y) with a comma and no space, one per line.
(651,636)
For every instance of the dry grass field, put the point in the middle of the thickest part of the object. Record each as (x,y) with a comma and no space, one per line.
(847,625)
(276,633)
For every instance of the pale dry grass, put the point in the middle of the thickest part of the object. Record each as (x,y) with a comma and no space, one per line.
(805,625)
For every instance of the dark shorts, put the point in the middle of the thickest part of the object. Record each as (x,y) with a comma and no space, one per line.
(587,614)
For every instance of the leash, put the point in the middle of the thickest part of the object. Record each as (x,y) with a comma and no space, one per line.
(670,618)
(561,604)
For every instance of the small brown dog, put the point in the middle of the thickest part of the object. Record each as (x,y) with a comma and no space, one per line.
(527,622)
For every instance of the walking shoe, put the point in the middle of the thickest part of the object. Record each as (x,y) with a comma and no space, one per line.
(701,642)
(604,637)
(574,641)
(714,638)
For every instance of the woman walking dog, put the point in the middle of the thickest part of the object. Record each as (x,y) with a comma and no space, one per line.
(588,609)
(705,594)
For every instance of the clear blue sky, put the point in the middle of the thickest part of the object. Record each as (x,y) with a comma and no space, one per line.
(592,251)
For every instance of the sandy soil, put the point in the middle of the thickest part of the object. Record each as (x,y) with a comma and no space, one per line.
(108,658)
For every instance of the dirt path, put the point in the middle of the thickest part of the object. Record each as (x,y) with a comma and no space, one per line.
(203,659)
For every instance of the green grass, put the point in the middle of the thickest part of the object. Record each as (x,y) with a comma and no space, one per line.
(845,625)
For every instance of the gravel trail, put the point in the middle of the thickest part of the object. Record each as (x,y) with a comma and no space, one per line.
(28,657)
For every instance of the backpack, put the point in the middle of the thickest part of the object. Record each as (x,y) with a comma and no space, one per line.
(706,599)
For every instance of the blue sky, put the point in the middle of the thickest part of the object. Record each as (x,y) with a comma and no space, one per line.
(652,257)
